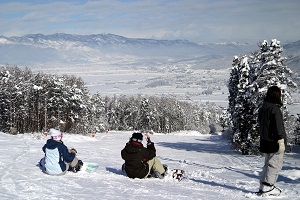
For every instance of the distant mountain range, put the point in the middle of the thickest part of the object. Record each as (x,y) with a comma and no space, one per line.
(292,51)
(104,40)
(95,41)
(69,49)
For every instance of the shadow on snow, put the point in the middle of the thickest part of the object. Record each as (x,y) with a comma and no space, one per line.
(115,171)
(213,144)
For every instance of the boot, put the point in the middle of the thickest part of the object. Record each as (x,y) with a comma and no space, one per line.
(166,169)
(269,191)
(161,176)
(77,167)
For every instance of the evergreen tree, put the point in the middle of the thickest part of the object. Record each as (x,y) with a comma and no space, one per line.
(233,91)
(4,99)
(33,102)
(241,107)
(36,102)
(268,69)
(98,120)
(264,68)
(224,119)
(145,115)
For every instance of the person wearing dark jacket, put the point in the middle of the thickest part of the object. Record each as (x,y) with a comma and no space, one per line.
(58,158)
(140,161)
(272,141)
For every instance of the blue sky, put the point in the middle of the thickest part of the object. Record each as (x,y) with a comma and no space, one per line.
(194,20)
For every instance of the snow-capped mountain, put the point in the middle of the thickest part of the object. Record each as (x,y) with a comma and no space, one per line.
(292,50)
(36,49)
(106,40)
(109,49)
(97,40)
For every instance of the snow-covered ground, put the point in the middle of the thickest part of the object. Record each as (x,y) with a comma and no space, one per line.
(213,170)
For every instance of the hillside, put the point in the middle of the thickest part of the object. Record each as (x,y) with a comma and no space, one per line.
(292,52)
(213,170)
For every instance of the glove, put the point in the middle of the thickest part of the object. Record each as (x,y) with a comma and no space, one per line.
(148,138)
(73,151)
(281,146)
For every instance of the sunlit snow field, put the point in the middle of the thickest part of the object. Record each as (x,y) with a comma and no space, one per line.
(213,170)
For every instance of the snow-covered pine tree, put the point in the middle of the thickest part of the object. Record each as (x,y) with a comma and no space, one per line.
(30,102)
(76,108)
(267,68)
(239,106)
(145,115)
(23,100)
(131,113)
(128,109)
(233,89)
(163,114)
(97,116)
(5,83)
(36,102)
(233,94)
(224,119)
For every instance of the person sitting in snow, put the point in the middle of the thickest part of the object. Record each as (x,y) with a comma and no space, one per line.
(58,158)
(141,162)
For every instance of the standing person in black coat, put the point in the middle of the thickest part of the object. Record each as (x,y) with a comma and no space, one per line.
(140,161)
(272,141)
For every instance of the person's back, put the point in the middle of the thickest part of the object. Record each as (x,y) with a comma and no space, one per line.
(139,161)
(53,162)
(136,156)
(272,141)
(58,158)
(270,120)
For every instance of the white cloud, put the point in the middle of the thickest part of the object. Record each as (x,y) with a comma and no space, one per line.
(196,20)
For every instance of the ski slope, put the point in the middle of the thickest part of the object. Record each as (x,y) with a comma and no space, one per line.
(213,170)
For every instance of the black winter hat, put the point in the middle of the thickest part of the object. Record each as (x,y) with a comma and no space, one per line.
(137,137)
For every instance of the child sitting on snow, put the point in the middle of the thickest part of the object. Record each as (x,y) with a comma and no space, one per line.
(58,158)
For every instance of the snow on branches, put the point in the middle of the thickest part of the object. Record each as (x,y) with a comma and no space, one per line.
(250,78)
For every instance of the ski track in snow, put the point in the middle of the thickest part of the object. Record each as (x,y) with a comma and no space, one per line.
(212,169)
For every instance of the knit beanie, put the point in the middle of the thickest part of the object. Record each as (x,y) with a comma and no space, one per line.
(55,134)
(137,137)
